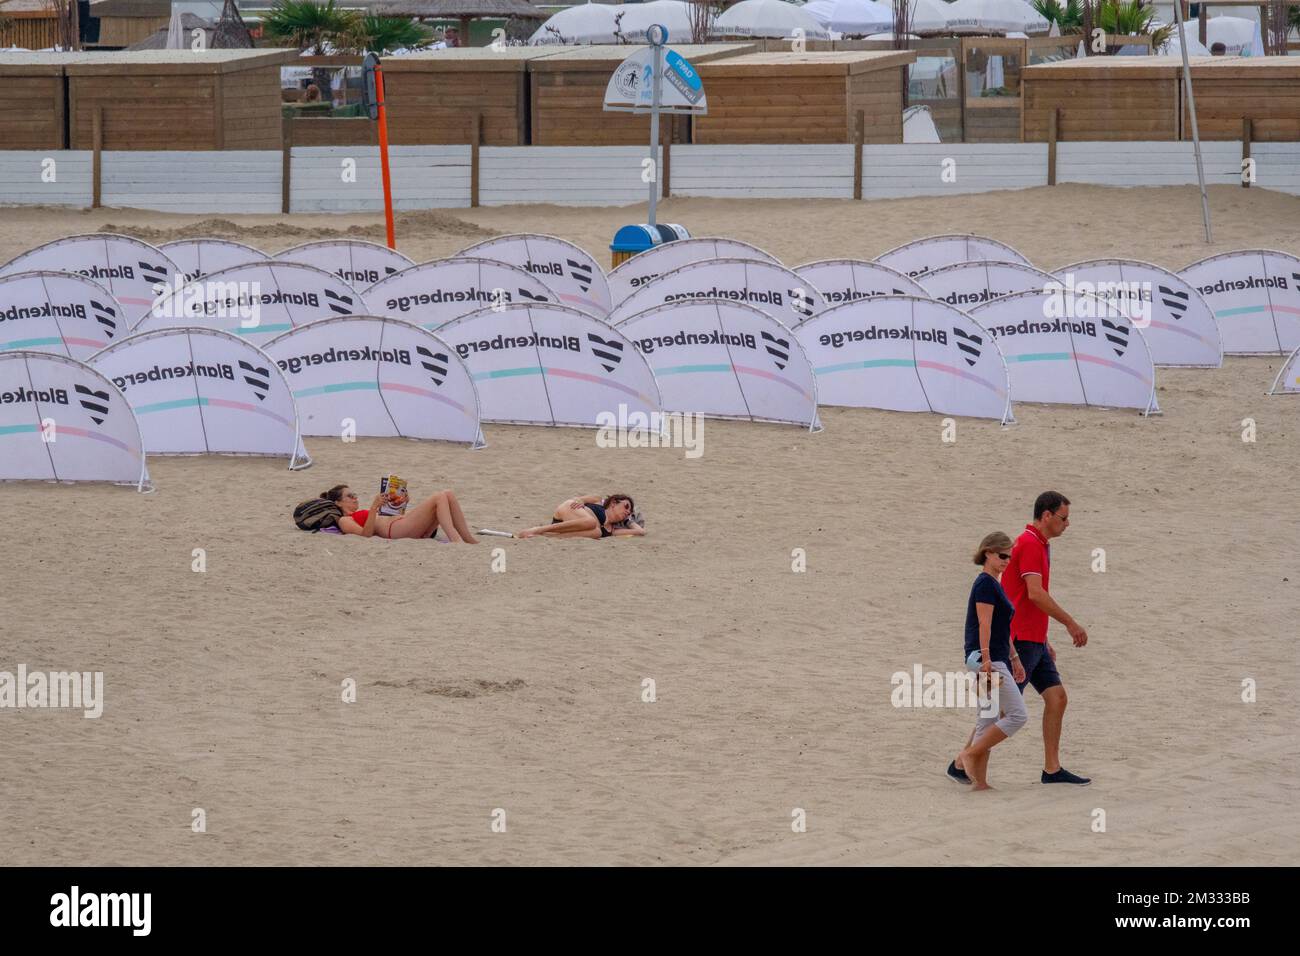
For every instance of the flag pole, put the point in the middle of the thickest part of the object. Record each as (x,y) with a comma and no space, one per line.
(1191,108)
(656,35)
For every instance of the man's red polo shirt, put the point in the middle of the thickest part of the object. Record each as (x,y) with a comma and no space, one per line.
(1030,555)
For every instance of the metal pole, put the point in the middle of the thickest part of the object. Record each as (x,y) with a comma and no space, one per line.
(1191,109)
(657,85)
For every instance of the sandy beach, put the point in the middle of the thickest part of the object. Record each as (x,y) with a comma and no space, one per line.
(522,691)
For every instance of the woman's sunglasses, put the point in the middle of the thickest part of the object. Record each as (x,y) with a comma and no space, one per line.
(1004,557)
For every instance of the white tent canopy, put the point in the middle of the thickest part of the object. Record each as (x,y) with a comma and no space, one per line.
(60,420)
(633,19)
(774,289)
(584,23)
(767,18)
(204,392)
(1175,319)
(552,365)
(199,257)
(1239,36)
(967,284)
(726,360)
(1086,356)
(433,293)
(379,377)
(909,354)
(572,272)
(1288,377)
(655,261)
(852,17)
(134,271)
(926,16)
(1255,295)
(925,255)
(258,300)
(847,280)
(355,261)
(59,312)
(995,16)
(918,123)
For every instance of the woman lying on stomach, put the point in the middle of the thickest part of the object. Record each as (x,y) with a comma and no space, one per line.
(591,516)
(420,521)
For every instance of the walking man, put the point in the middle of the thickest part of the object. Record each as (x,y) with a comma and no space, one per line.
(1026,582)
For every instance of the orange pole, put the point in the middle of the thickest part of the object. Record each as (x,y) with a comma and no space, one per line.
(383,156)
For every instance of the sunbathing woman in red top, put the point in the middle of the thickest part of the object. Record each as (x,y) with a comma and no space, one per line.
(420,521)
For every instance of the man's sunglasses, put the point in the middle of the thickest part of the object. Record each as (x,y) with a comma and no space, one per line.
(1004,557)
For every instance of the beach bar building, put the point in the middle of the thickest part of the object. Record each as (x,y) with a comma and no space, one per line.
(1141,98)
(176,99)
(32,107)
(568,95)
(1104,98)
(812,97)
(439,96)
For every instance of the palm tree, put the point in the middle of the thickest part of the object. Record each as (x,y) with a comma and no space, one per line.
(1067,16)
(1131,17)
(378,34)
(306,24)
(309,25)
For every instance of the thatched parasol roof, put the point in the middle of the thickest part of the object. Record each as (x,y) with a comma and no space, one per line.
(459,9)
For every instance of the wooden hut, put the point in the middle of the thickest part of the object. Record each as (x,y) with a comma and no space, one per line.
(1105,98)
(116,24)
(803,97)
(1228,90)
(31,107)
(568,95)
(30,24)
(177,99)
(435,97)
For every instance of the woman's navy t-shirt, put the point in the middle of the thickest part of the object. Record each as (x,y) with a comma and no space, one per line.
(987,590)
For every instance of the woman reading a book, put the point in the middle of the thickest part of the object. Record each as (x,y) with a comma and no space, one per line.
(420,521)
(590,516)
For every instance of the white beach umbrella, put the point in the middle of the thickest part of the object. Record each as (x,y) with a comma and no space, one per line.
(927,16)
(584,23)
(768,18)
(1172,48)
(918,125)
(996,16)
(639,17)
(175,32)
(820,10)
(852,17)
(1237,34)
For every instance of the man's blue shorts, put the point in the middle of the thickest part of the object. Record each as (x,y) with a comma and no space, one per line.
(1040,669)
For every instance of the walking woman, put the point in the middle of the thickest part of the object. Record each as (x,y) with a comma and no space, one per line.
(989,652)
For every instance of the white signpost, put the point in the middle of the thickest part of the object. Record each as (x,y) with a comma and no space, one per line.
(637,86)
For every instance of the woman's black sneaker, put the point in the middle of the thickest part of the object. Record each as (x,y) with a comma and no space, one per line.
(956,773)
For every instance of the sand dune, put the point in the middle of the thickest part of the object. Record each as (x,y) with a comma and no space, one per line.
(522,690)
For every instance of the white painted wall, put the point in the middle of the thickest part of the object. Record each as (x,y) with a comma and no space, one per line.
(1146,164)
(207,181)
(563,175)
(349,178)
(918,169)
(763,171)
(24,175)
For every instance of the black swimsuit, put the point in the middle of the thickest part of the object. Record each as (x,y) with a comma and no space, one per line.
(599,512)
